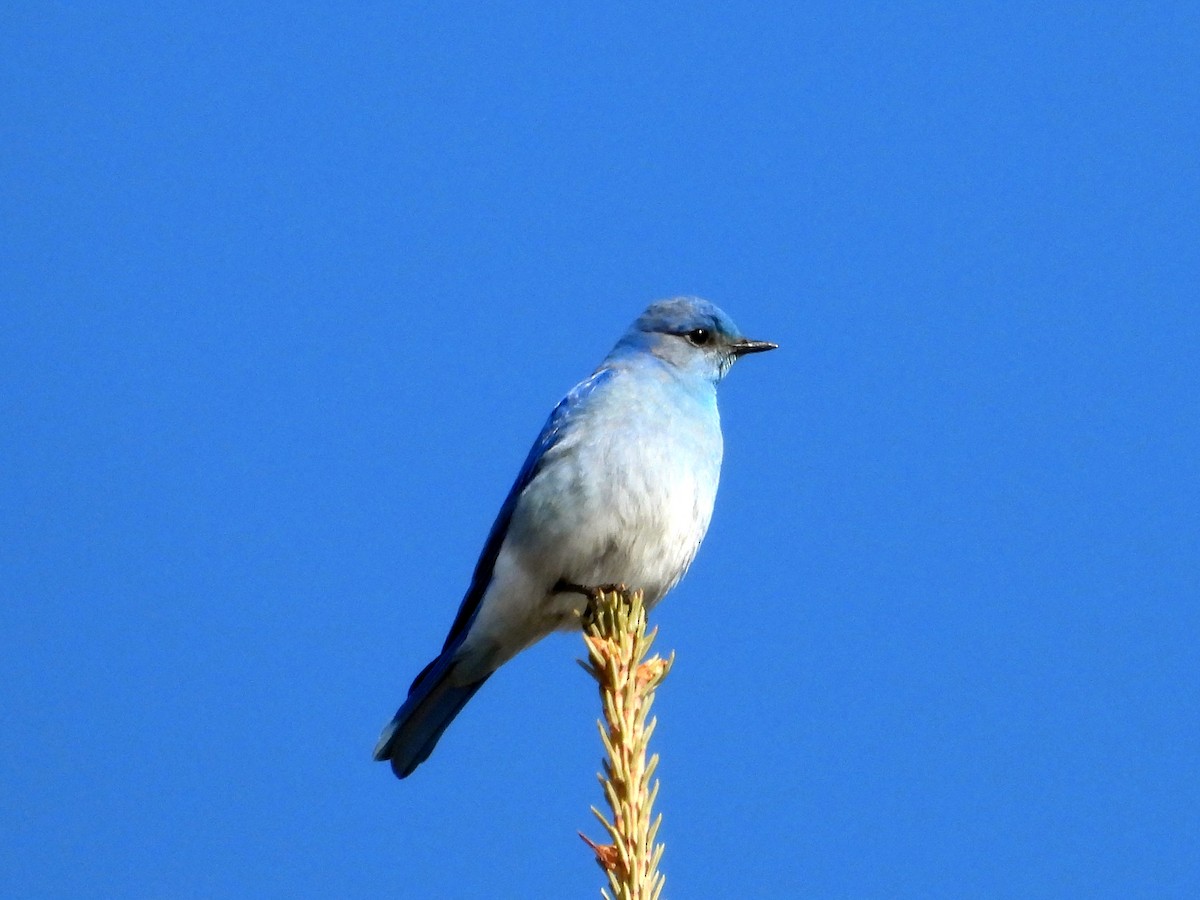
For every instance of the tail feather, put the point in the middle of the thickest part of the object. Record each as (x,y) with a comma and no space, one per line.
(433,702)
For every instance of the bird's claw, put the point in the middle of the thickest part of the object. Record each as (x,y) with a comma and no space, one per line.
(617,588)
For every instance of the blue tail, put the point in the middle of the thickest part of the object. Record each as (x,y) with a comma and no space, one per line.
(433,702)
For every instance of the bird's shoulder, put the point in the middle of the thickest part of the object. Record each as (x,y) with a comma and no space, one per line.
(573,406)
(567,411)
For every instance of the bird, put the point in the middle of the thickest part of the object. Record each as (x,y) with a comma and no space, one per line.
(618,489)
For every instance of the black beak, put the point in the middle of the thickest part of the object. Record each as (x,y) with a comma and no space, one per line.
(744,346)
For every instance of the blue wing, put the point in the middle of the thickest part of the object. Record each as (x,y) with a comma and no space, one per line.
(558,422)
(435,698)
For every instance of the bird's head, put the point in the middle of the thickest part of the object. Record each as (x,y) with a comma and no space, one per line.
(690,334)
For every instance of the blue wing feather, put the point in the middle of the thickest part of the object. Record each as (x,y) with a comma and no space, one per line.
(435,698)
(560,418)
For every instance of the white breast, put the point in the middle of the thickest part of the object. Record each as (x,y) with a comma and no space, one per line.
(624,497)
(627,495)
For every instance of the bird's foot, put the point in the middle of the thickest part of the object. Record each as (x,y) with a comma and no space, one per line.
(564,587)
(618,588)
(593,594)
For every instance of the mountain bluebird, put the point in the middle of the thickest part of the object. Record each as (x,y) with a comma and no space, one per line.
(618,489)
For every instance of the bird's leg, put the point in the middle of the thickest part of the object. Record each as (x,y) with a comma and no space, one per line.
(617,588)
(592,593)
(562,586)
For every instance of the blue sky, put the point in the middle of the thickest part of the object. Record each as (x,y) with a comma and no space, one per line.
(287,293)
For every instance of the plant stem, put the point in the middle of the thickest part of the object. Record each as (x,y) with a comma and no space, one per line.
(617,642)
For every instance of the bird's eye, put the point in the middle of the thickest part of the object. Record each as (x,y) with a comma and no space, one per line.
(699,336)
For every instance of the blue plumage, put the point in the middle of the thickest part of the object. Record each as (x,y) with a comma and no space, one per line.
(617,489)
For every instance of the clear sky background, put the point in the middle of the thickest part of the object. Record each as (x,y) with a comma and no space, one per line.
(286,292)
